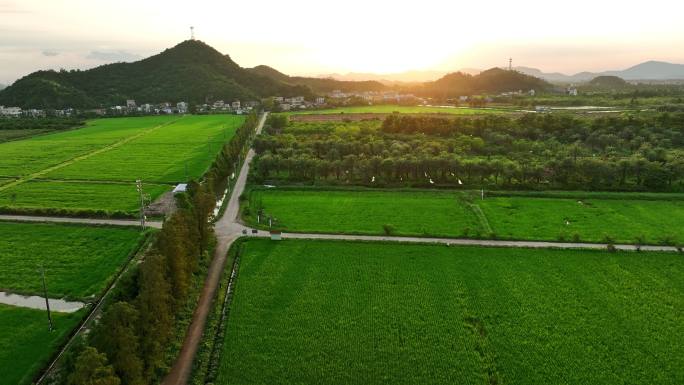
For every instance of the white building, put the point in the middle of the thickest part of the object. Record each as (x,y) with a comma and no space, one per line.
(235,105)
(320,100)
(182,107)
(130,103)
(572,91)
(10,111)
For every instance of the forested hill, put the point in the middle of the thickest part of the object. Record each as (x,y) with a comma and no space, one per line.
(494,80)
(191,71)
(320,85)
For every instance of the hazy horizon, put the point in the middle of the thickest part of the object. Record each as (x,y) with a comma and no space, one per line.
(355,37)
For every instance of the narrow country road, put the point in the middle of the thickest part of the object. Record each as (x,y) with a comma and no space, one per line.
(85,221)
(227,230)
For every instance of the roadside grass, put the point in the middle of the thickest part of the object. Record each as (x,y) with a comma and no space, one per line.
(386,313)
(388,109)
(79,261)
(26,345)
(440,213)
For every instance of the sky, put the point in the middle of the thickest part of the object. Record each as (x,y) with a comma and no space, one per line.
(308,37)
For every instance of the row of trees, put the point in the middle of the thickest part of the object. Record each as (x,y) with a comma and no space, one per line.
(527,152)
(129,345)
(634,173)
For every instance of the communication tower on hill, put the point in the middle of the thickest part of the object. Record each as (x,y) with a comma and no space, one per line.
(510,64)
(192,33)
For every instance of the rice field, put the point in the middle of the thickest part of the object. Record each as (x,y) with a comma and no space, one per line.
(456,214)
(26,344)
(79,261)
(307,312)
(160,150)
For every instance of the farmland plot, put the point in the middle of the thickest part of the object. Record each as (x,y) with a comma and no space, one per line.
(78,260)
(361,313)
(25,342)
(366,212)
(162,150)
(449,214)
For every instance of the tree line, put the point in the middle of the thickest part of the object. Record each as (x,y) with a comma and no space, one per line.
(130,343)
(534,151)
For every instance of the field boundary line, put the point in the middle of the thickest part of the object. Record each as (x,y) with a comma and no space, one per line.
(481,217)
(79,158)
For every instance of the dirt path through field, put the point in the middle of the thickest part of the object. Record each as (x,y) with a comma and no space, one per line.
(73,160)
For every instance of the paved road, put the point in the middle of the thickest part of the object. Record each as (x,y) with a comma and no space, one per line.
(227,230)
(86,221)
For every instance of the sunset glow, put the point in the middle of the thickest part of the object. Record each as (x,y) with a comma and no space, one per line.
(314,37)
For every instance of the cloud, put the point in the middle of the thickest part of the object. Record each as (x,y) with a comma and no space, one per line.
(50,53)
(113,56)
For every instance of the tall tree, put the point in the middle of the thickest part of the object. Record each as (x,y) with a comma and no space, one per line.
(155,306)
(117,337)
(92,368)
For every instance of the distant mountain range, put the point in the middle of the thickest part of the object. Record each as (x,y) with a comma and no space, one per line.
(193,71)
(647,71)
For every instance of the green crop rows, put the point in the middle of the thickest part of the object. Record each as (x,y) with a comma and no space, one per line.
(162,150)
(26,344)
(308,312)
(78,260)
(456,214)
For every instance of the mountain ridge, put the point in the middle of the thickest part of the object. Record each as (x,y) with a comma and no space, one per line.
(190,71)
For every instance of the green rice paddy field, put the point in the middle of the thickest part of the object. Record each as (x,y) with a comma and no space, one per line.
(448,214)
(162,150)
(25,342)
(308,312)
(79,262)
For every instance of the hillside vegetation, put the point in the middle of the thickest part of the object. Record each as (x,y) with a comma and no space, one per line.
(191,71)
(493,80)
(319,84)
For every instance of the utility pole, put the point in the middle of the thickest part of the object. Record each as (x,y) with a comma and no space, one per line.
(47,303)
(138,184)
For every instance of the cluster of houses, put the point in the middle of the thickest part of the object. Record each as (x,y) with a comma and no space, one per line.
(221,106)
(17,112)
(296,103)
(132,108)
(381,97)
